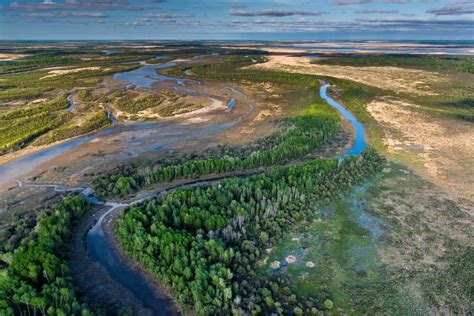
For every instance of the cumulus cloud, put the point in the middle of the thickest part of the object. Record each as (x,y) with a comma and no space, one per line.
(273,13)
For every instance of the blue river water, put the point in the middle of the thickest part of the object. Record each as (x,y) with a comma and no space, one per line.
(359,144)
(146,76)
(107,256)
(231,104)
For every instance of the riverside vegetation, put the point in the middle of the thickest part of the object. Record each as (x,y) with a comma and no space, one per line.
(296,137)
(204,243)
(453,93)
(207,243)
(34,279)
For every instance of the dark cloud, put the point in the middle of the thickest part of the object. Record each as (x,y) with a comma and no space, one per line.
(457,8)
(273,13)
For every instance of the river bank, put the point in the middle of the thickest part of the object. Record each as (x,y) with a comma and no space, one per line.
(103,250)
(97,288)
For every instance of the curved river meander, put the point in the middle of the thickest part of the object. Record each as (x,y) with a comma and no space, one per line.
(107,256)
(359,143)
(99,249)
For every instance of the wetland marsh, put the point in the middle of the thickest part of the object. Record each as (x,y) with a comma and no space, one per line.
(232,178)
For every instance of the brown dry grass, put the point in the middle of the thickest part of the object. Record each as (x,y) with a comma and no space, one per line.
(387,78)
(428,235)
(444,147)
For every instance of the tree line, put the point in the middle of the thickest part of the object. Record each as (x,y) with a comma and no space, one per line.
(295,137)
(204,242)
(21,126)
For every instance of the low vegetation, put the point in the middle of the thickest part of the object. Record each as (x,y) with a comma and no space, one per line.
(20,127)
(212,244)
(430,63)
(452,96)
(94,122)
(132,103)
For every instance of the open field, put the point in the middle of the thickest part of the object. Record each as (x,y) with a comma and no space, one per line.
(382,77)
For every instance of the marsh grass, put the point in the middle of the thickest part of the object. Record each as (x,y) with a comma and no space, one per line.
(366,255)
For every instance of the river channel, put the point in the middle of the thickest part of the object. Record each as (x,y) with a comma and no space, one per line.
(107,256)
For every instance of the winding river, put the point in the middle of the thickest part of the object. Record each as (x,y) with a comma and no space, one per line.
(108,257)
(146,136)
(359,144)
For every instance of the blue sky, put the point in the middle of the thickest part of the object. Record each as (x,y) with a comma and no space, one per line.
(240,20)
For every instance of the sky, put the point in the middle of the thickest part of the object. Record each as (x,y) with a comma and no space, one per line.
(237,20)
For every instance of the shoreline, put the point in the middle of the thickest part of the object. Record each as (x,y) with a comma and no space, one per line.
(153,282)
(94,285)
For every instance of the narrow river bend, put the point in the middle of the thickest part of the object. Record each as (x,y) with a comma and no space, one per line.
(108,256)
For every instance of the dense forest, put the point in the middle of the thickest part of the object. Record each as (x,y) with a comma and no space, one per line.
(294,138)
(204,242)
(35,278)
